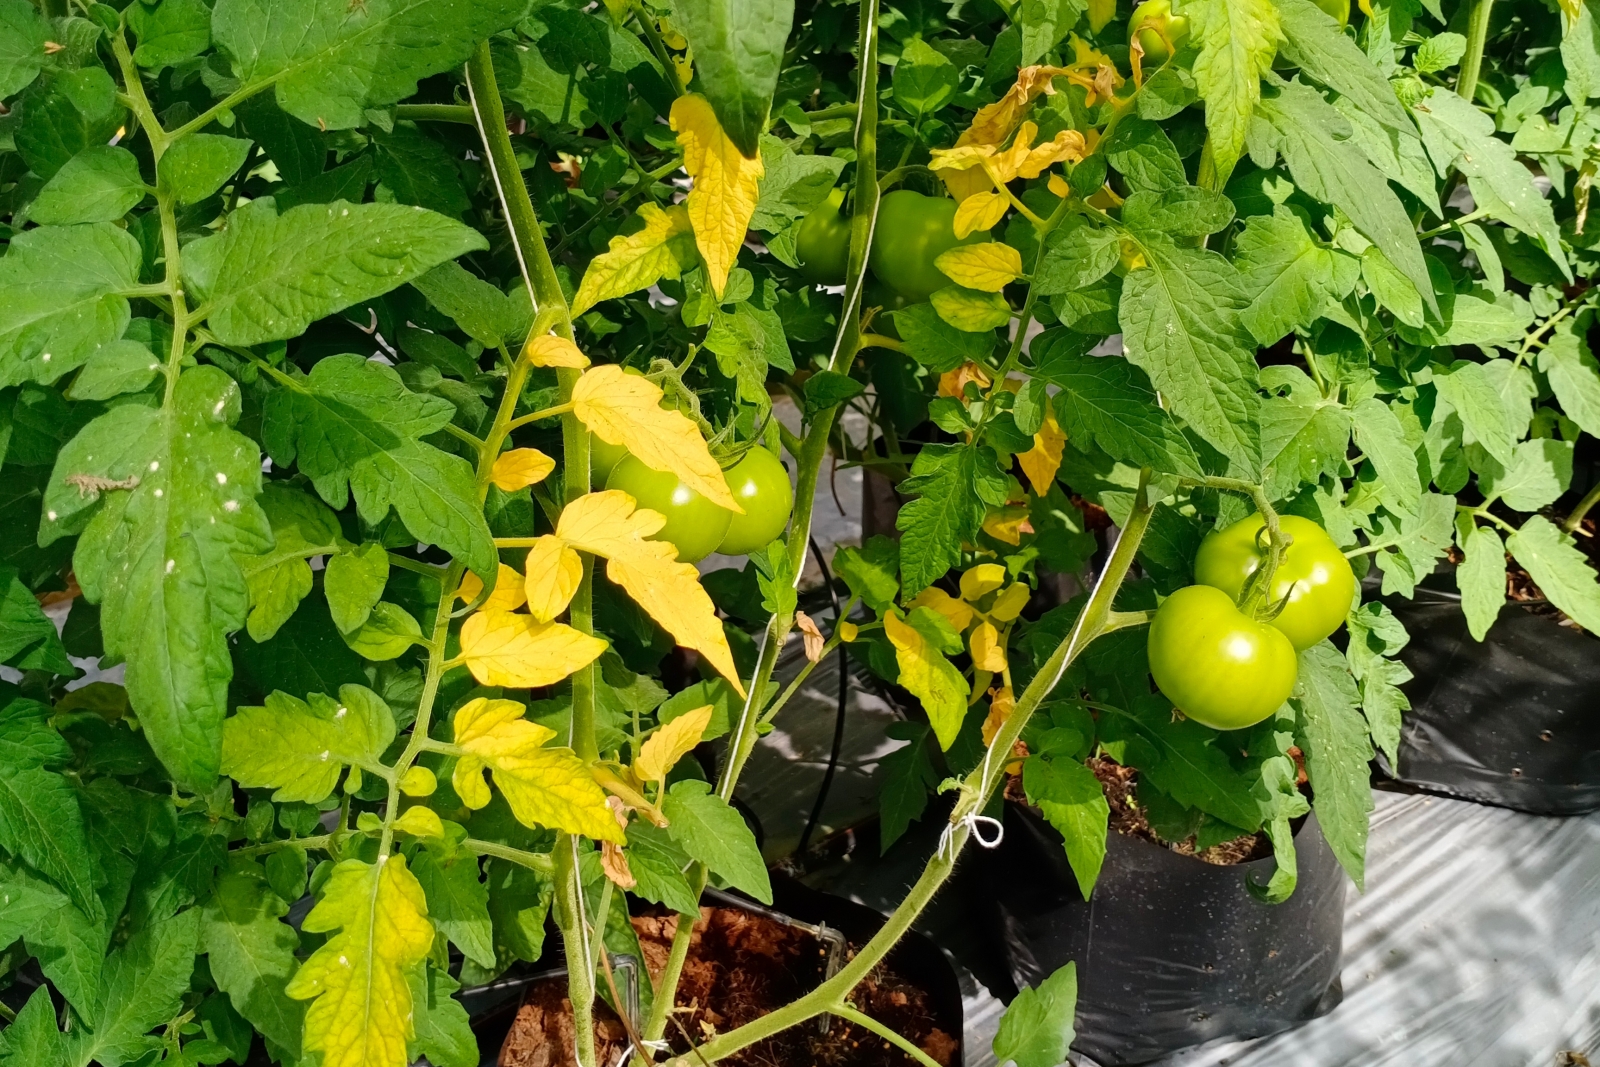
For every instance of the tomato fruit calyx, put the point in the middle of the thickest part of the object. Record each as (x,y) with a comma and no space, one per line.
(1312,589)
(1217,665)
(760,483)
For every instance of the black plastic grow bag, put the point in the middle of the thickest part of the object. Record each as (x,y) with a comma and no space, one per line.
(1171,952)
(1513,721)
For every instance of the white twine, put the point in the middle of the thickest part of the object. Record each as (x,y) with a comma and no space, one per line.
(972,820)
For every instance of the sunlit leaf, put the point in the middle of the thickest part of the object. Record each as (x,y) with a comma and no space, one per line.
(508,593)
(929,677)
(501,648)
(553,573)
(726,186)
(521,467)
(300,747)
(664,748)
(663,249)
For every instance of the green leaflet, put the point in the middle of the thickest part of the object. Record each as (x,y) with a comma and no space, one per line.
(353,425)
(483,312)
(1304,435)
(924,80)
(419,170)
(444,1034)
(41,823)
(458,903)
(952,484)
(330,62)
(1376,636)
(353,582)
(908,775)
(1238,39)
(169,32)
(1110,401)
(1077,253)
(1334,736)
(1316,44)
(299,748)
(27,636)
(1574,375)
(1289,277)
(738,51)
(1069,795)
(302,527)
(159,553)
(198,165)
(938,345)
(1559,568)
(795,184)
(710,831)
(1540,471)
(1424,537)
(32,1039)
(99,184)
(1379,434)
(1044,24)
(1187,766)
(1037,1027)
(1468,390)
(142,987)
(267,276)
(23,33)
(1481,575)
(657,864)
(27,739)
(63,301)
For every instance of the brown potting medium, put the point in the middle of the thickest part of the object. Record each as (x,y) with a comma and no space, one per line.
(740,967)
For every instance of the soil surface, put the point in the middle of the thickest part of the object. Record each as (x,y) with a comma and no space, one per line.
(740,967)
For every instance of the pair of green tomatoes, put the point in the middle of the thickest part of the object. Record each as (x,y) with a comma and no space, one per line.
(911,232)
(1225,669)
(695,525)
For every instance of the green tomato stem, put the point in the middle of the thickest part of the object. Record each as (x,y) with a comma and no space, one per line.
(867,1022)
(1472,61)
(1575,519)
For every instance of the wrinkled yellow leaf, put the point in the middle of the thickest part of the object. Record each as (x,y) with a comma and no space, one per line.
(663,249)
(995,122)
(1009,604)
(625,409)
(519,651)
(362,1012)
(928,676)
(980,211)
(554,571)
(988,654)
(959,614)
(548,350)
(614,863)
(1000,704)
(607,524)
(726,186)
(519,468)
(544,786)
(507,595)
(420,821)
(810,636)
(1007,524)
(1041,462)
(983,579)
(954,382)
(664,748)
(418,782)
(989,266)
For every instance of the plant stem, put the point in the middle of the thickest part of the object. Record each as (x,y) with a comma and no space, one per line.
(1574,520)
(1472,61)
(867,1022)
(461,113)
(537,861)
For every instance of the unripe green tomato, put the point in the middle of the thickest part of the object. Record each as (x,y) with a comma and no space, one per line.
(694,524)
(823,245)
(911,231)
(603,459)
(1157,30)
(761,486)
(1217,666)
(1313,574)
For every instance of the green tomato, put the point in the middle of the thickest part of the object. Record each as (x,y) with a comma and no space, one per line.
(1313,574)
(911,231)
(823,245)
(1217,666)
(1158,30)
(694,524)
(603,459)
(760,484)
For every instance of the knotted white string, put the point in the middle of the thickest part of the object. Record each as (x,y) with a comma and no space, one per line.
(972,820)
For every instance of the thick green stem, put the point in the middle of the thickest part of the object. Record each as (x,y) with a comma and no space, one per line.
(580,964)
(1472,61)
(867,1022)
(1589,500)
(461,113)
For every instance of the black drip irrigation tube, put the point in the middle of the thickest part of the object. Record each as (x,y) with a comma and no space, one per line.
(839,716)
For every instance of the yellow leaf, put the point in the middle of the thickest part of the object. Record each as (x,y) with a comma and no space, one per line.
(420,821)
(548,350)
(520,468)
(1100,13)
(969,310)
(959,614)
(989,266)
(1041,462)
(625,409)
(810,635)
(1066,145)
(954,382)
(928,676)
(418,782)
(726,186)
(1009,604)
(1058,186)
(966,157)
(554,571)
(1000,704)
(980,211)
(519,651)
(1007,524)
(848,631)
(507,595)
(995,122)
(637,261)
(362,1012)
(983,579)
(607,524)
(988,654)
(665,747)
(544,786)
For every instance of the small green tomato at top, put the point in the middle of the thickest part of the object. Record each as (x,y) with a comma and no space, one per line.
(1313,574)
(1218,666)
(911,231)
(823,246)
(695,525)
(761,486)
(1158,31)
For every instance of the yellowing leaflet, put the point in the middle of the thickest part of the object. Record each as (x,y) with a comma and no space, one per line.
(726,186)
(519,651)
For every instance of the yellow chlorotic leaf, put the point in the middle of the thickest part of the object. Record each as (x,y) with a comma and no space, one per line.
(995,122)
(1041,462)
(969,310)
(1100,13)
(1007,524)
(848,631)
(625,409)
(983,579)
(507,595)
(964,158)
(420,821)
(519,651)
(988,654)
(418,782)
(1009,604)
(548,350)
(544,786)
(1059,187)
(990,265)
(520,468)
(607,524)
(726,186)
(810,635)
(1066,145)
(664,748)
(928,676)
(362,1012)
(637,261)
(554,571)
(954,382)
(980,211)
(959,614)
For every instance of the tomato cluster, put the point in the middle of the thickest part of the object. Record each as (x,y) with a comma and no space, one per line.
(910,233)
(695,525)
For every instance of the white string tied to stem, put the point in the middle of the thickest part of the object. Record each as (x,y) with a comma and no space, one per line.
(972,821)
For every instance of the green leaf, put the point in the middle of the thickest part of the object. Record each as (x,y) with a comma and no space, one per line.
(1334,737)
(871,571)
(483,312)
(1180,321)
(738,52)
(970,310)
(160,554)
(722,697)
(1559,568)
(746,341)
(1397,153)
(935,343)
(1044,24)
(32,1039)
(1375,636)
(353,425)
(1037,1027)
(353,582)
(519,903)
(330,62)
(1540,471)
(710,831)
(1238,39)
(1580,55)
(169,32)
(198,165)
(1186,211)
(908,778)
(1392,289)
(1481,575)
(1440,52)
(1574,375)
(120,367)
(1110,401)
(27,739)
(794,184)
(28,638)
(1304,435)
(657,864)
(1424,537)
(1141,152)
(1381,437)
(63,290)
(266,277)
(1069,795)
(1077,253)
(1188,766)
(947,510)
(419,170)
(75,110)
(1315,141)
(99,184)
(386,634)
(300,747)
(1467,389)
(23,33)
(924,79)
(1472,319)
(302,527)
(144,983)
(41,823)
(1314,42)
(444,1034)
(1290,277)
(1281,801)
